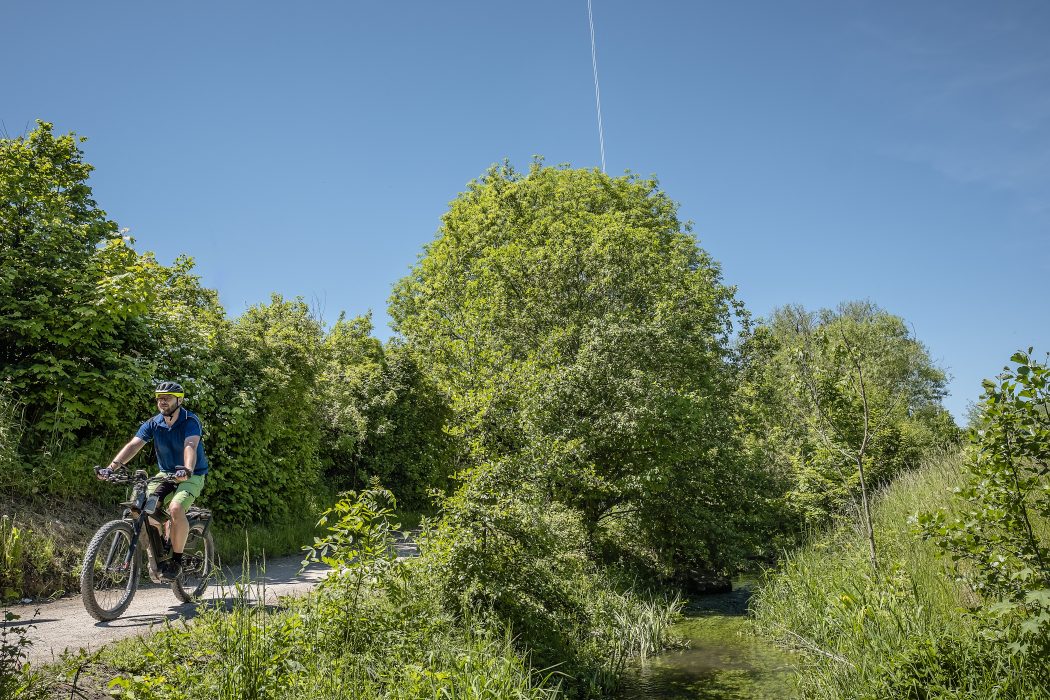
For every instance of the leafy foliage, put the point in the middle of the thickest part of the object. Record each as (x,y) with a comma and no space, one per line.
(571,317)
(803,411)
(70,339)
(17,680)
(1001,545)
(360,535)
(382,417)
(506,552)
(264,426)
(10,439)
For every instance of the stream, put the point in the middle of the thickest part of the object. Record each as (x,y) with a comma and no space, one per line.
(721,661)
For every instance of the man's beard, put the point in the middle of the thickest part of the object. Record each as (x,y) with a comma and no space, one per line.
(170,412)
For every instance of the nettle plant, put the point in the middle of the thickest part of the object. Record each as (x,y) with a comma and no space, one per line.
(1001,542)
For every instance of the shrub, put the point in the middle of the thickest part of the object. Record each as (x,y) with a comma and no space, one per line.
(17,679)
(1001,543)
(505,550)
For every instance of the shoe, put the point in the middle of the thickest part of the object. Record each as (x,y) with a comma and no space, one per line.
(170,570)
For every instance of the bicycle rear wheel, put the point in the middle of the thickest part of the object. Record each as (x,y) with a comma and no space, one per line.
(198,560)
(109,575)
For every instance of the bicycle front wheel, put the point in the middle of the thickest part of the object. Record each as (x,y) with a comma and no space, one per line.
(110,575)
(197,563)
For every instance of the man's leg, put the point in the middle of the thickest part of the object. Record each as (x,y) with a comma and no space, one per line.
(179,528)
(164,493)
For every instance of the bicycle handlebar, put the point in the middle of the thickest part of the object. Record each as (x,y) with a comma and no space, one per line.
(121,476)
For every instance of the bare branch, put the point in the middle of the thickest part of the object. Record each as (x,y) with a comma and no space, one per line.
(812,646)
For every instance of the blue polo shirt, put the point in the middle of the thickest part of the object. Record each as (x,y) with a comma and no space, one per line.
(168,442)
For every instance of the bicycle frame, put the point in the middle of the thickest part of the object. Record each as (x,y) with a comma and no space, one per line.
(141,507)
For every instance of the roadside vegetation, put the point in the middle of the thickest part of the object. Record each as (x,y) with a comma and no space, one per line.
(591,421)
(958,606)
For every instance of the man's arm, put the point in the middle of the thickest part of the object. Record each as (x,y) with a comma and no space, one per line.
(189,453)
(128,452)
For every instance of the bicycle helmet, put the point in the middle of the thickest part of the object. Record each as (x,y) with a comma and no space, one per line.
(173,388)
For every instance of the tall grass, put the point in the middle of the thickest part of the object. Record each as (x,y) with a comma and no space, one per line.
(267,539)
(901,632)
(10,438)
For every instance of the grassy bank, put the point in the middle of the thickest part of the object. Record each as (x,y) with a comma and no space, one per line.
(906,631)
(42,544)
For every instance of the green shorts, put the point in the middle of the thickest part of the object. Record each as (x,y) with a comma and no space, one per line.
(186,493)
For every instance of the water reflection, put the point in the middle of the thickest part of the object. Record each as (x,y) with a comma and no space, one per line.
(721,663)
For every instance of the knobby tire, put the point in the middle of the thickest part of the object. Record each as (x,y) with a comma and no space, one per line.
(107,581)
(198,562)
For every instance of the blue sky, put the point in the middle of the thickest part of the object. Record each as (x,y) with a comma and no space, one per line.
(826,150)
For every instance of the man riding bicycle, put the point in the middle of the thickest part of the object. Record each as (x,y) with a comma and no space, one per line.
(176,436)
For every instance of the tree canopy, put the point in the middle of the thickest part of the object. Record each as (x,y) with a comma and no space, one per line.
(70,332)
(808,379)
(571,317)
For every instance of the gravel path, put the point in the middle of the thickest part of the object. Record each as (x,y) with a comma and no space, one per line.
(64,625)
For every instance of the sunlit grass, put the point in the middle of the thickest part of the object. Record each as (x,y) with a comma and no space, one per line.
(901,630)
(264,540)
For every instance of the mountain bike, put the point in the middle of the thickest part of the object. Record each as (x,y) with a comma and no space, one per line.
(112,561)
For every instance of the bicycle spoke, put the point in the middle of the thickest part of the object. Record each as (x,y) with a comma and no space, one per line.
(109,578)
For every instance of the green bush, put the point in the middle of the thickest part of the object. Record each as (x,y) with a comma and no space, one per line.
(375,629)
(1001,543)
(504,549)
(17,679)
(382,417)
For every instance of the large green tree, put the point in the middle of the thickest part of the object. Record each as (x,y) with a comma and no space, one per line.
(72,342)
(571,317)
